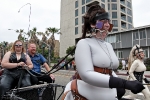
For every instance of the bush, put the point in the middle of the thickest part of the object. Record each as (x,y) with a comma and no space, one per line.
(147,64)
(148,68)
(120,65)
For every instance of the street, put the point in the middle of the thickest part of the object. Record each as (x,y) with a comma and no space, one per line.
(63,77)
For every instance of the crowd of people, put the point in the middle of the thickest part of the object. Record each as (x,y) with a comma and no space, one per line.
(94,63)
(69,66)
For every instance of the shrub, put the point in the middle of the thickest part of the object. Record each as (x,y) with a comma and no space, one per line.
(147,64)
(148,68)
(120,65)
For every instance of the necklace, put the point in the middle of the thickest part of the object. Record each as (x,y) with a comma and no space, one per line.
(108,54)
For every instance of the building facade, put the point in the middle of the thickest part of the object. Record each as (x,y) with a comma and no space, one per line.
(122,42)
(72,12)
(56,48)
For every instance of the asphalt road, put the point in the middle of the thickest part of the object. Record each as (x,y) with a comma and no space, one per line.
(63,77)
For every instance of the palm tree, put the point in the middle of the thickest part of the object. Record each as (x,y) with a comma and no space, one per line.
(32,35)
(51,40)
(44,39)
(20,37)
(3,46)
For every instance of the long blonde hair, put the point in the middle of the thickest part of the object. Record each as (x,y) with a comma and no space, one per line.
(132,56)
(13,46)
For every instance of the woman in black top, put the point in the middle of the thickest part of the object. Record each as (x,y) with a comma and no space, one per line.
(13,63)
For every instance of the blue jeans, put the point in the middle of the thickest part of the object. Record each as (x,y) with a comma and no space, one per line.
(10,78)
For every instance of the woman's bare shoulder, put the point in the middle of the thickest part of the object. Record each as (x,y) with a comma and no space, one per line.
(8,53)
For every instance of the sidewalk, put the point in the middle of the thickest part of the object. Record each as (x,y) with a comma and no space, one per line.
(124,72)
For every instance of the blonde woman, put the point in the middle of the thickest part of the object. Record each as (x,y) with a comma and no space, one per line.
(13,61)
(136,69)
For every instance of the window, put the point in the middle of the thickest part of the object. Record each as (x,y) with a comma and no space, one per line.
(114,14)
(76,12)
(142,34)
(76,4)
(129,12)
(135,35)
(123,25)
(115,23)
(83,2)
(108,6)
(129,19)
(88,1)
(83,9)
(128,4)
(103,6)
(115,30)
(123,18)
(119,54)
(76,30)
(129,26)
(114,6)
(111,39)
(109,14)
(103,0)
(113,0)
(76,21)
(108,0)
(146,53)
(118,38)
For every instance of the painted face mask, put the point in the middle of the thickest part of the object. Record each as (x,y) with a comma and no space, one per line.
(100,23)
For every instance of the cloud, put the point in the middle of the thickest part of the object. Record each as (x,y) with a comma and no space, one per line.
(44,14)
(141,13)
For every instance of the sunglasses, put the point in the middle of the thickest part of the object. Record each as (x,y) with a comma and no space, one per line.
(18,45)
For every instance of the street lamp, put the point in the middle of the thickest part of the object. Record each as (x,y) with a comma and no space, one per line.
(29,20)
(29,13)
(12,29)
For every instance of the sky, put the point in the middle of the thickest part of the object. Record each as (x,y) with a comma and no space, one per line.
(46,13)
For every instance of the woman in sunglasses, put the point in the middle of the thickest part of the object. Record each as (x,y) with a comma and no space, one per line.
(95,60)
(13,63)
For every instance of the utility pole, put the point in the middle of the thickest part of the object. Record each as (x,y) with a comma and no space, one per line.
(26,39)
(49,54)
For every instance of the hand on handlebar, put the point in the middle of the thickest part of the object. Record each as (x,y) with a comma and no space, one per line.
(21,64)
(52,76)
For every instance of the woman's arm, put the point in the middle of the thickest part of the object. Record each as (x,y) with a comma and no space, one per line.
(5,61)
(83,60)
(132,69)
(29,62)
